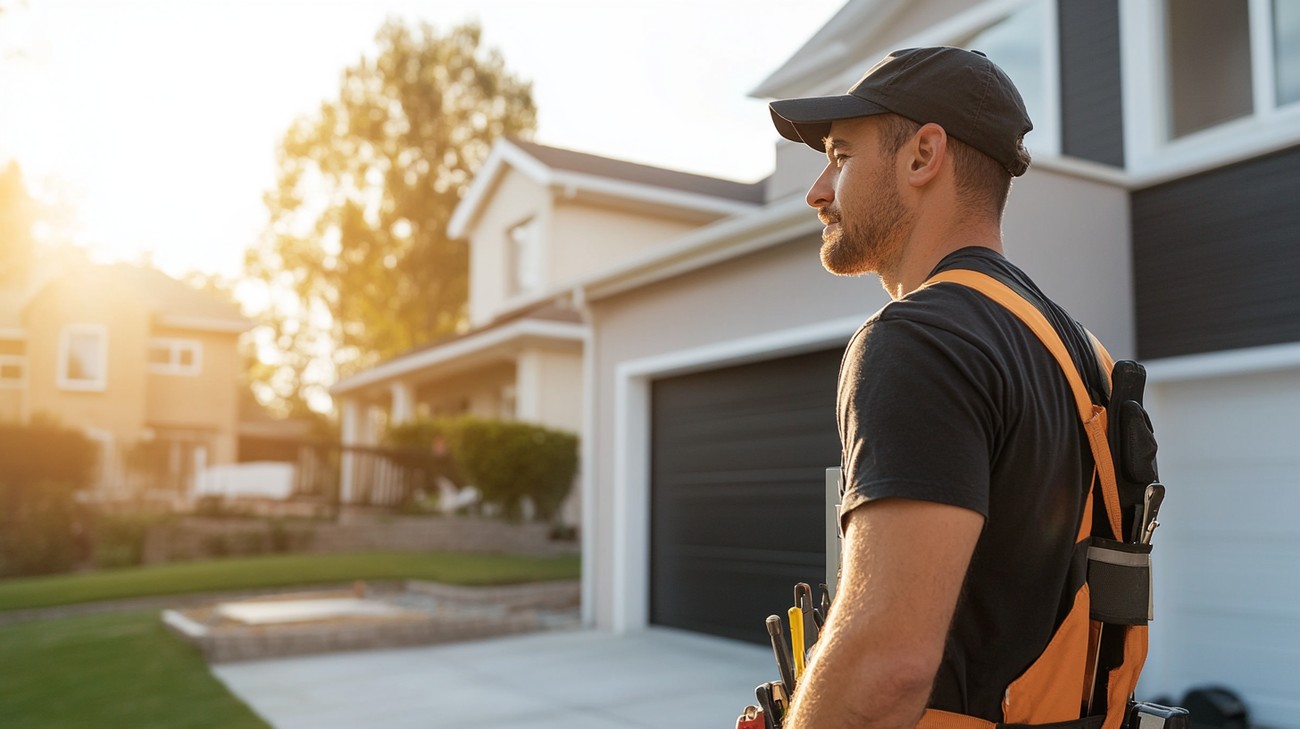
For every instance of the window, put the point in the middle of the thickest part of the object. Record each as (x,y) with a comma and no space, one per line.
(83,357)
(13,370)
(524,258)
(1208,82)
(1286,50)
(1207,44)
(175,356)
(1017,43)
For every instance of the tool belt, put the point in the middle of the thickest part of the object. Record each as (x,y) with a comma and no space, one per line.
(1086,676)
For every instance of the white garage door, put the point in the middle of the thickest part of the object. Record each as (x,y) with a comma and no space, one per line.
(1228,551)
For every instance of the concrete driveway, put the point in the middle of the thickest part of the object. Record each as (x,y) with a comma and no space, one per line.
(579,679)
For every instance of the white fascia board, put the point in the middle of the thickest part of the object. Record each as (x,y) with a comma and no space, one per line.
(1269,358)
(199,323)
(576,182)
(503,154)
(714,243)
(474,343)
(829,47)
(939,34)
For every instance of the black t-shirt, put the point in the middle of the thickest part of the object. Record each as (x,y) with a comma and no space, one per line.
(946,396)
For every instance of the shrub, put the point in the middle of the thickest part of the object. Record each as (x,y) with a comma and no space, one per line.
(508,461)
(42,528)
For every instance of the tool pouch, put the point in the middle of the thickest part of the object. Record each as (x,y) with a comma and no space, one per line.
(1119,577)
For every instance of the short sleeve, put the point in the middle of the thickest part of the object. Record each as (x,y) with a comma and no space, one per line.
(916,416)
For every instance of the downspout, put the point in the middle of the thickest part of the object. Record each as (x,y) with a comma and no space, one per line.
(587,456)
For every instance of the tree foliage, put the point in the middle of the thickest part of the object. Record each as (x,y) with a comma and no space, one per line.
(356,257)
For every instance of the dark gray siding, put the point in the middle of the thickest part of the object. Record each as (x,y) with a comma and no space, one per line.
(1092,125)
(1216,258)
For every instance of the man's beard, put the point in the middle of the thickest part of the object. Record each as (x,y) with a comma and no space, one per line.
(872,242)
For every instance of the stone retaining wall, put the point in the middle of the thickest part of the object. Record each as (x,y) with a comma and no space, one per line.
(200,537)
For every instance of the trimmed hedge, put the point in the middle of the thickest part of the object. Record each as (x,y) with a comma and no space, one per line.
(42,527)
(506,461)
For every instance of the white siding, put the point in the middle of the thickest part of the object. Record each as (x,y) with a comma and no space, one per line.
(1227,557)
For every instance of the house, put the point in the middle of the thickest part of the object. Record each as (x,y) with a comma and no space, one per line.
(536,218)
(145,365)
(1161,210)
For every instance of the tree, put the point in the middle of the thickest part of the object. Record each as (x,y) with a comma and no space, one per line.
(18,215)
(356,260)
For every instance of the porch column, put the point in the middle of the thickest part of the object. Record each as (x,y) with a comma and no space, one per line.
(403,395)
(528,387)
(351,427)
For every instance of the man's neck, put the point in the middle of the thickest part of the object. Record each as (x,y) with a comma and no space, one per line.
(925,248)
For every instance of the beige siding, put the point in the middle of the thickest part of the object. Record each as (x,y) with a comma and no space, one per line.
(586,238)
(555,399)
(207,401)
(516,199)
(80,299)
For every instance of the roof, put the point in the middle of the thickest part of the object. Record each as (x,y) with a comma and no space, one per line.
(616,169)
(175,303)
(550,320)
(573,173)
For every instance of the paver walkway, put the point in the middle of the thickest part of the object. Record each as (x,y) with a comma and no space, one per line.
(581,679)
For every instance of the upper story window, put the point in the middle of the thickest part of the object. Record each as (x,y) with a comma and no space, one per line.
(1286,50)
(83,357)
(524,258)
(1208,81)
(1018,44)
(175,356)
(13,370)
(1207,47)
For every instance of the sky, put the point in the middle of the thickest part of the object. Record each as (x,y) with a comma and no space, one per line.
(156,122)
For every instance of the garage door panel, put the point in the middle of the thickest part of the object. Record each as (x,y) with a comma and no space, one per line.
(738,461)
(751,508)
(733,596)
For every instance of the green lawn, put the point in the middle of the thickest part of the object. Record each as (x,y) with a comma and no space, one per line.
(280,571)
(126,670)
(110,670)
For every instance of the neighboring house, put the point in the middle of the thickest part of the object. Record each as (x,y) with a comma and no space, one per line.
(142,363)
(1161,210)
(536,219)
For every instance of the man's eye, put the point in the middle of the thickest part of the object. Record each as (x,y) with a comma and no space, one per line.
(839,159)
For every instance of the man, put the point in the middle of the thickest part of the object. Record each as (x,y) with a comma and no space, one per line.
(965,467)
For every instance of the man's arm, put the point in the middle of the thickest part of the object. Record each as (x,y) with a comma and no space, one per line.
(904,564)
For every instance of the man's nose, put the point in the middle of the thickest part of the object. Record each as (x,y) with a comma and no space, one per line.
(822,192)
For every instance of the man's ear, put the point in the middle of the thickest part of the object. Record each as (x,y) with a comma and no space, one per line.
(928,150)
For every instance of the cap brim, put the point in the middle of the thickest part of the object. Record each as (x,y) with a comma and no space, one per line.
(809,120)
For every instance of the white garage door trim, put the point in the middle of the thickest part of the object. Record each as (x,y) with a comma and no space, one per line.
(631,487)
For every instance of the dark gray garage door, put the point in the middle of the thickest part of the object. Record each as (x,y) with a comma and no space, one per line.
(738,491)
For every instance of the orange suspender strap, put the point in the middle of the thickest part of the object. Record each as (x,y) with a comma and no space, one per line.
(1092,415)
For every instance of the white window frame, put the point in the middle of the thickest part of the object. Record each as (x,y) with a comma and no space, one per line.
(515,261)
(175,346)
(11,360)
(1148,151)
(99,384)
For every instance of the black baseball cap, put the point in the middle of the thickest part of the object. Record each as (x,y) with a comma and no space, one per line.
(962,91)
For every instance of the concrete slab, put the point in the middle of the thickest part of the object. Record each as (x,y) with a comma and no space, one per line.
(572,679)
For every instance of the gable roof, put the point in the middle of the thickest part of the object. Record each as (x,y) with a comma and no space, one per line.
(572,172)
(174,303)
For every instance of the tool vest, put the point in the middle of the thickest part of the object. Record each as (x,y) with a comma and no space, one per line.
(1086,675)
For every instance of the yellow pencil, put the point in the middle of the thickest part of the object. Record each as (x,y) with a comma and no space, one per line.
(796,640)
